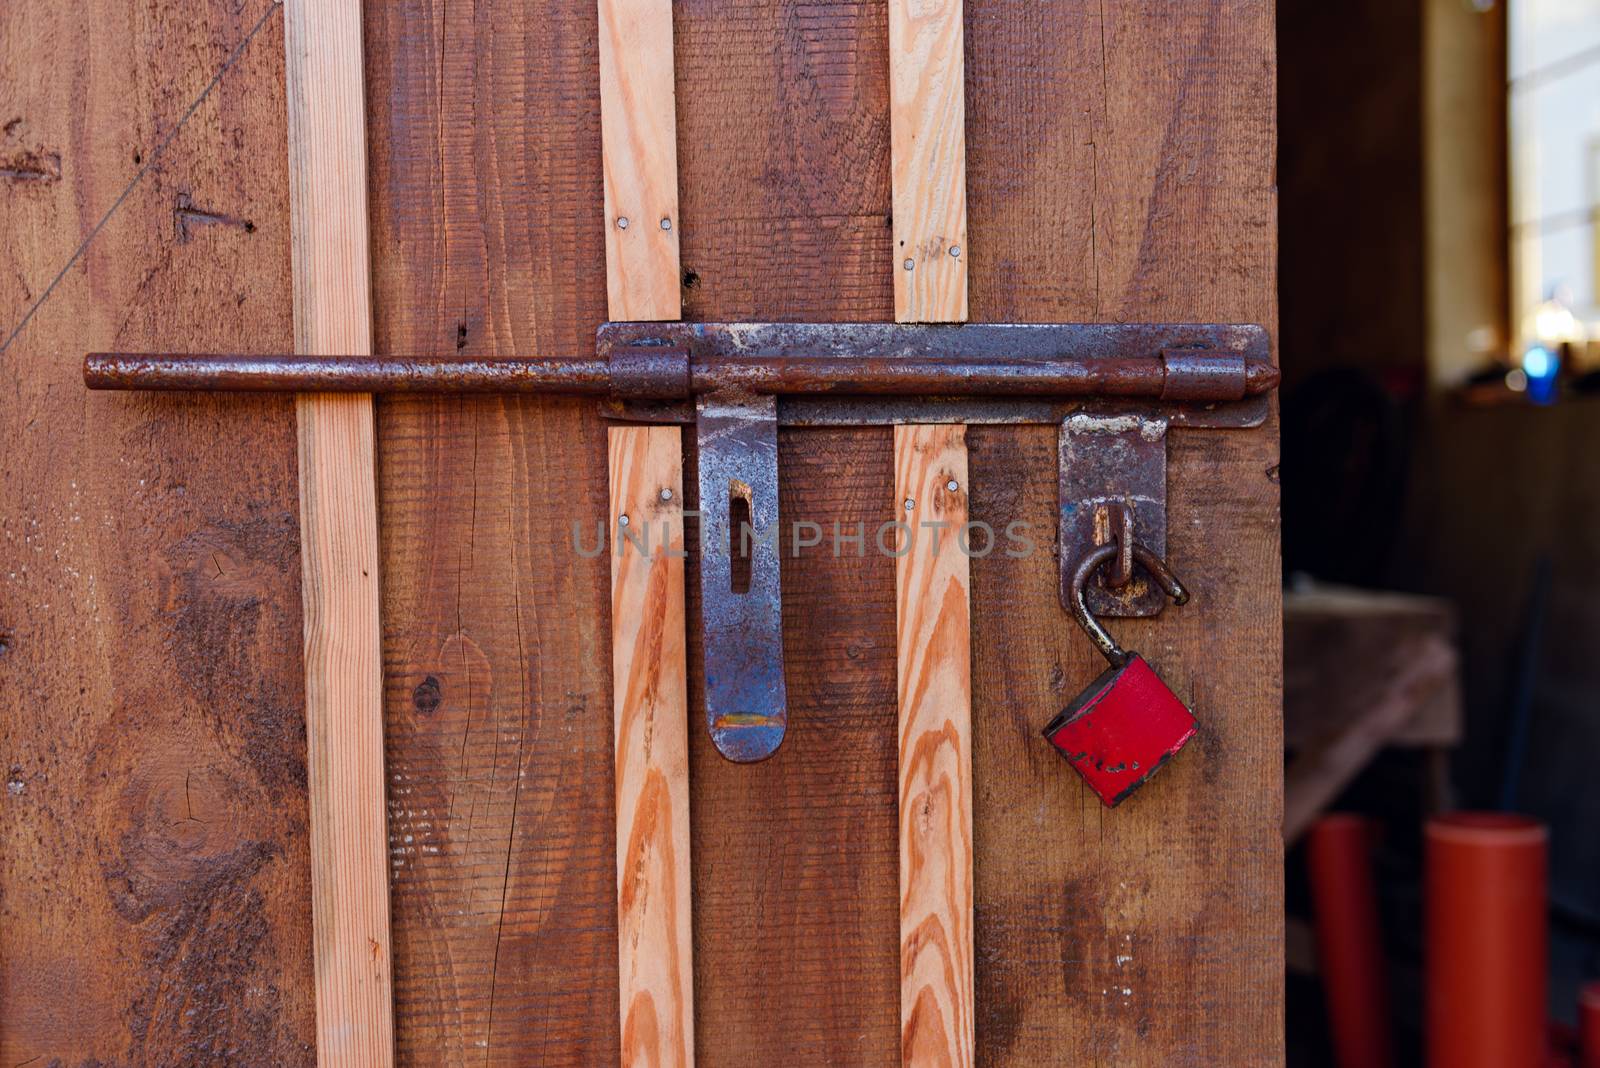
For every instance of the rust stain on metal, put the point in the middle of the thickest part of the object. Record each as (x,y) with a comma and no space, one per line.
(673,361)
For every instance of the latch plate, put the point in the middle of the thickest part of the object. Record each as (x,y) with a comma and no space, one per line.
(746,700)
(1106,461)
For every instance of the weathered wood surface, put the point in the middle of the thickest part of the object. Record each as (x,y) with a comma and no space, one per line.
(328,230)
(1120,167)
(783,172)
(933,621)
(640,159)
(488,239)
(1148,935)
(927,119)
(154,890)
(650,701)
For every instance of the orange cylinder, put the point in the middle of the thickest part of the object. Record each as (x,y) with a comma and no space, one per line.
(1486,941)
(1589,1024)
(1344,898)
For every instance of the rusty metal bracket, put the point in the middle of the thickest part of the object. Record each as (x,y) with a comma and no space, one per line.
(741,615)
(1114,389)
(1113,478)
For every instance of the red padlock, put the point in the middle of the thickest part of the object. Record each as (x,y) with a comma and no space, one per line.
(1127,724)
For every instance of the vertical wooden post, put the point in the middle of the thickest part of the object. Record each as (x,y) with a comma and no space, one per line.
(339,539)
(655,961)
(928,137)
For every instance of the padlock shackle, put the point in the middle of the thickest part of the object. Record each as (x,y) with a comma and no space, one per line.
(1097,558)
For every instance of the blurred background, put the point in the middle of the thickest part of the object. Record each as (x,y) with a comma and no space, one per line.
(1439,174)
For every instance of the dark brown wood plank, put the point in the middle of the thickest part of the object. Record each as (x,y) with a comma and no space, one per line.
(784,180)
(1149,935)
(153,855)
(796,922)
(487,238)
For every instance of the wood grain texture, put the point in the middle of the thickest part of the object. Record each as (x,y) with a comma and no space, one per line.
(933,623)
(488,240)
(928,134)
(639,132)
(1120,167)
(154,904)
(655,966)
(1118,144)
(784,168)
(650,701)
(934,619)
(339,538)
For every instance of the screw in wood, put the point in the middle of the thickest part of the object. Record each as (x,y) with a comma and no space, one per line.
(910,263)
(666,495)
(622,222)
(952,485)
(622,520)
(955,250)
(666,224)
(910,504)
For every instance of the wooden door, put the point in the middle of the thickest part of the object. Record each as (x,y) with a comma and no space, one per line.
(1119,167)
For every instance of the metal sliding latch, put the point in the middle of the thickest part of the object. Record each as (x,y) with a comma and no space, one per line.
(1114,390)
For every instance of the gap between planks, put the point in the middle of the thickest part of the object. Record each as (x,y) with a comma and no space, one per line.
(339,539)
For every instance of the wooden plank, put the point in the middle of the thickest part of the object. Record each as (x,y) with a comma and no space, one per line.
(339,538)
(1337,640)
(651,707)
(927,117)
(1118,144)
(935,745)
(784,169)
(640,159)
(153,844)
(649,677)
(928,143)
(487,241)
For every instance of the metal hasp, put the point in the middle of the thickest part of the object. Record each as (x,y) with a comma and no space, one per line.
(1113,475)
(741,616)
(1113,389)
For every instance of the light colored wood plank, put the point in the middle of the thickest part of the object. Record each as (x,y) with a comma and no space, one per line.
(935,744)
(928,145)
(928,149)
(640,148)
(651,706)
(649,671)
(339,539)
